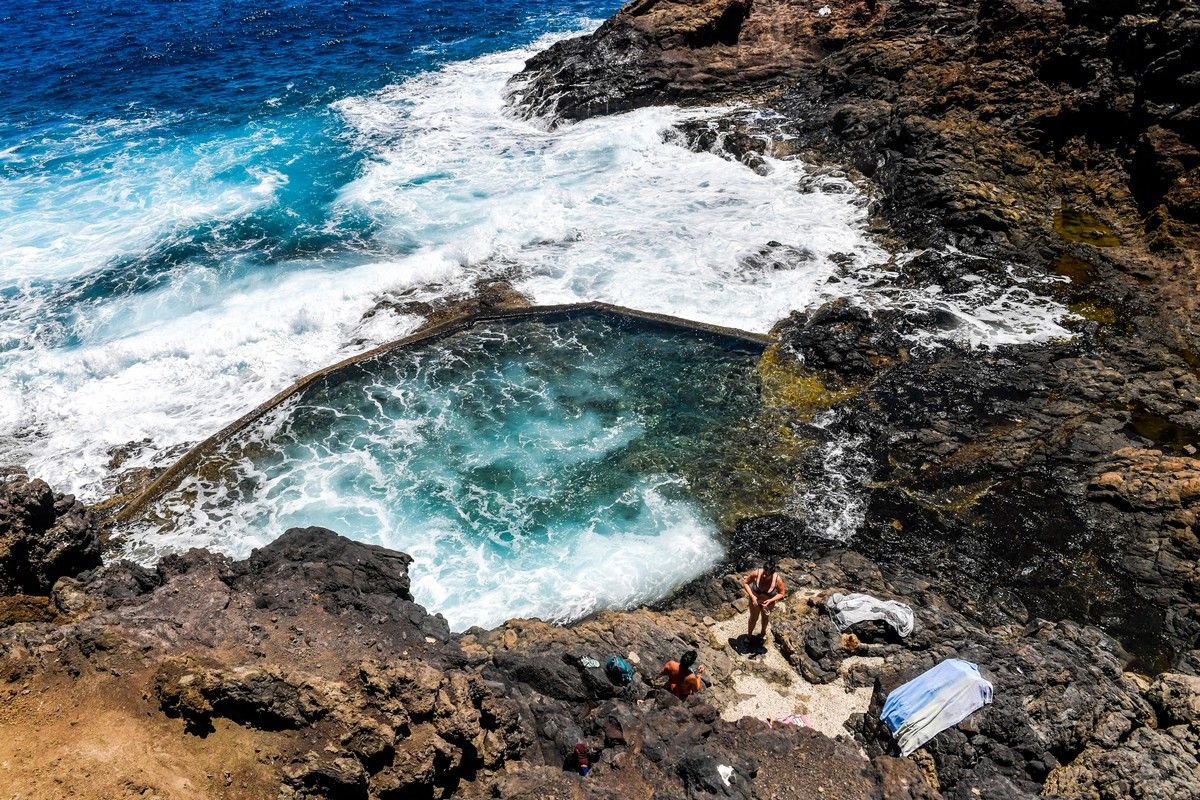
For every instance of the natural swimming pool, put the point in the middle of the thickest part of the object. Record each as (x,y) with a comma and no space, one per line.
(532,467)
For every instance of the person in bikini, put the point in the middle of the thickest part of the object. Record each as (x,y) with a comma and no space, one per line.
(683,676)
(764,586)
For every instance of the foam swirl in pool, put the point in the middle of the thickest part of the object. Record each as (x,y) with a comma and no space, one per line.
(537,467)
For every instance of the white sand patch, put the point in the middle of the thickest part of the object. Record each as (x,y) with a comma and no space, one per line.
(767,687)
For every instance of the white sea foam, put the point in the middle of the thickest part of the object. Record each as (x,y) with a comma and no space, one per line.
(835,508)
(604,209)
(515,495)
(114,188)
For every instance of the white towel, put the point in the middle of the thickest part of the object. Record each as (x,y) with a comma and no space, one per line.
(849,609)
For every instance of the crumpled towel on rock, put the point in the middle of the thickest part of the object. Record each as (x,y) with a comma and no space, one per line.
(933,701)
(848,609)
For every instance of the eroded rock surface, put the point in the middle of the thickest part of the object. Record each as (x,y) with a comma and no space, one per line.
(980,114)
(1054,147)
(663,51)
(306,669)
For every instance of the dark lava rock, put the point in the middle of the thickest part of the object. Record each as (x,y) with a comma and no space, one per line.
(1055,480)
(486,295)
(345,573)
(843,338)
(43,536)
(777,536)
(314,643)
(1149,765)
(665,51)
(979,114)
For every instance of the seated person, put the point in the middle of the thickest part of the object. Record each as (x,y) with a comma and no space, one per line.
(683,677)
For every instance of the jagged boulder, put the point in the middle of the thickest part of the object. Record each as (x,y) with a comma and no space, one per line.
(1149,765)
(325,775)
(1177,697)
(44,536)
(266,697)
(843,338)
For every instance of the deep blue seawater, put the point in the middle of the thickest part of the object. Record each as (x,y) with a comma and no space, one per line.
(202,201)
(225,63)
(236,93)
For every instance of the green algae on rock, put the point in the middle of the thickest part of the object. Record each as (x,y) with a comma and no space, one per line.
(1076,225)
(786,383)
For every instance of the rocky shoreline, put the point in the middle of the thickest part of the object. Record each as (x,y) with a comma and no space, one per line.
(1053,147)
(1035,504)
(307,670)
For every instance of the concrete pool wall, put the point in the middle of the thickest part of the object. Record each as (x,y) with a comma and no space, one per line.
(170,478)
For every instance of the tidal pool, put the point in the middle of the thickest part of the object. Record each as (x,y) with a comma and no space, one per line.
(541,467)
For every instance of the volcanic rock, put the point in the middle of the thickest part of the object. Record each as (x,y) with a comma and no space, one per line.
(324,664)
(43,537)
(663,51)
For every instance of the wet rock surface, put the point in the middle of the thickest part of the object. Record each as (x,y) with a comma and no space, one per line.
(980,116)
(1023,475)
(485,295)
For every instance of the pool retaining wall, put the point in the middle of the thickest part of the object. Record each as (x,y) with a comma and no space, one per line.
(174,474)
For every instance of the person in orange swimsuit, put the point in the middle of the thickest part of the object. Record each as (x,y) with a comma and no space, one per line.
(764,586)
(683,677)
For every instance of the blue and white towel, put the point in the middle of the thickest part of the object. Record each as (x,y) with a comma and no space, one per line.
(933,701)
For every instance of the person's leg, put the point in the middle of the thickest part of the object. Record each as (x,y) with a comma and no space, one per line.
(753,618)
(765,618)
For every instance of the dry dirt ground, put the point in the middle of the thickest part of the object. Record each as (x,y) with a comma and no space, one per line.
(103,737)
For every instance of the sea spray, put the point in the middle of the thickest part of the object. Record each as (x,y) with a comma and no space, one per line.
(148,341)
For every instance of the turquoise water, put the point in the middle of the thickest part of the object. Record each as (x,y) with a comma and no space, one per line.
(532,468)
(202,201)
